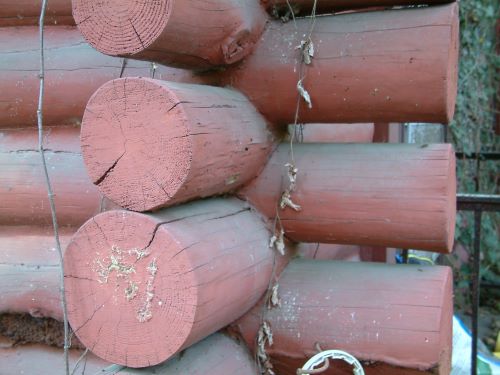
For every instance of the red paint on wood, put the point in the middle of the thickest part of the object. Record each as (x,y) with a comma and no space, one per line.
(23,191)
(326,251)
(333,133)
(187,33)
(304,7)
(29,270)
(398,315)
(395,195)
(24,196)
(27,12)
(140,288)
(397,65)
(148,143)
(73,71)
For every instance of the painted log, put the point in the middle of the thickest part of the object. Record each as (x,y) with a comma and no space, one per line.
(217,354)
(149,143)
(390,195)
(397,319)
(193,34)
(73,71)
(304,7)
(29,270)
(385,66)
(332,133)
(47,360)
(142,287)
(23,190)
(325,251)
(27,12)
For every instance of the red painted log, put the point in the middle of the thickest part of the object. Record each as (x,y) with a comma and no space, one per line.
(217,354)
(140,288)
(397,65)
(148,143)
(390,195)
(326,251)
(23,191)
(186,33)
(29,270)
(44,360)
(27,12)
(73,71)
(333,133)
(397,318)
(304,7)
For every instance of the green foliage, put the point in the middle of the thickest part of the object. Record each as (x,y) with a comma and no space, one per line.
(473,129)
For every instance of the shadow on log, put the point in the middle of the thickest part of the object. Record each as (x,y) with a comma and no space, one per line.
(27,12)
(396,319)
(23,191)
(148,143)
(140,288)
(390,195)
(385,66)
(193,34)
(73,71)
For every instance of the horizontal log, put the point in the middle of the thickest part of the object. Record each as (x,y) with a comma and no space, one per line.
(73,71)
(186,33)
(385,66)
(397,319)
(332,133)
(27,12)
(29,270)
(23,190)
(390,195)
(304,7)
(170,142)
(140,288)
(326,251)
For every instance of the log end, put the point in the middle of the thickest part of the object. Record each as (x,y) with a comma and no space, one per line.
(131,299)
(452,71)
(121,28)
(451,186)
(135,143)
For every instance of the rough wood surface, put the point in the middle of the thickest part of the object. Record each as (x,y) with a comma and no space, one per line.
(23,192)
(29,269)
(333,133)
(186,33)
(149,143)
(390,195)
(397,65)
(140,288)
(304,7)
(73,71)
(387,315)
(27,12)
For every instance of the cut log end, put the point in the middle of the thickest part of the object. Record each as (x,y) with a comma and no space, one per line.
(119,293)
(149,144)
(120,27)
(452,70)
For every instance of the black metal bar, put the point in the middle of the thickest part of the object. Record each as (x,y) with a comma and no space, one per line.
(476,261)
(480,156)
(478,202)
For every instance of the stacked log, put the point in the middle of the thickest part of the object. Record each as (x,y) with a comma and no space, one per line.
(326,133)
(27,12)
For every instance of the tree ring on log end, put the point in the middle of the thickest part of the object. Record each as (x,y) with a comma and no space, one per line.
(118,27)
(131,298)
(135,142)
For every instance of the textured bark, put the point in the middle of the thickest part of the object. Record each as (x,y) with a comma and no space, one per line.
(23,191)
(385,66)
(398,318)
(366,194)
(186,33)
(29,270)
(148,143)
(73,71)
(333,133)
(140,288)
(27,12)
(304,7)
